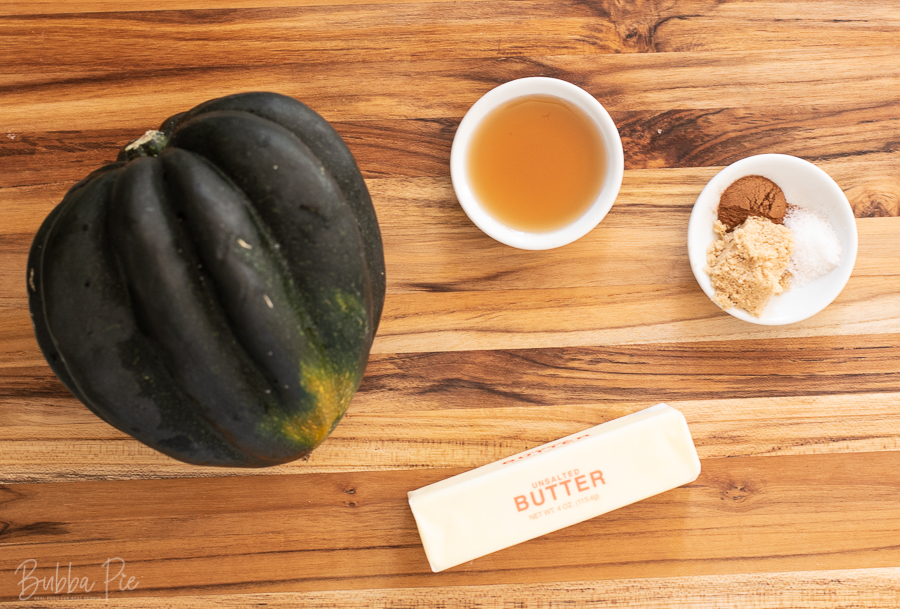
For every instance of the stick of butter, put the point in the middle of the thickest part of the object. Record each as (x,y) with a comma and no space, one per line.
(553,486)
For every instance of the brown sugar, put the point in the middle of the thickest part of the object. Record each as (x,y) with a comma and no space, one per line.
(749,265)
(751,196)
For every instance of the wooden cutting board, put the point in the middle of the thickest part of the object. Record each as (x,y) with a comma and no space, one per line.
(483,350)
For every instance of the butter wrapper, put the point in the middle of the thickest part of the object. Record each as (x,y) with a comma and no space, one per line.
(553,486)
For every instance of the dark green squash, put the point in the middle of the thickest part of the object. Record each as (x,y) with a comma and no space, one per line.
(215,292)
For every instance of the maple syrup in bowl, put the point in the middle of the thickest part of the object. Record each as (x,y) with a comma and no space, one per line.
(537,163)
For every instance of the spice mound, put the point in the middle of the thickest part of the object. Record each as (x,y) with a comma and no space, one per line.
(817,247)
(751,196)
(748,265)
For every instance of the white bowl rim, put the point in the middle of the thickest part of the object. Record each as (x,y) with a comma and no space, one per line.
(538,85)
(781,169)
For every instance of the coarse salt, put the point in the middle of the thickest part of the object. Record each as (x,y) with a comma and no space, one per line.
(817,248)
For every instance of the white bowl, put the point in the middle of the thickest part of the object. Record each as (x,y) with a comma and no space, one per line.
(612,181)
(804,185)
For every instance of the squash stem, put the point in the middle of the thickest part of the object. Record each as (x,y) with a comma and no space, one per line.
(149,144)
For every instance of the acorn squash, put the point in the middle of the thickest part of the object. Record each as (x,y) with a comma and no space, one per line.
(214,293)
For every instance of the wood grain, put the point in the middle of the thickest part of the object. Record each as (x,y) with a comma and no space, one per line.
(484,351)
(788,513)
(504,402)
(400,88)
(815,589)
(643,242)
(59,440)
(664,139)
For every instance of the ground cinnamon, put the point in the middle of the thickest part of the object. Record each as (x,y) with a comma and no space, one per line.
(751,196)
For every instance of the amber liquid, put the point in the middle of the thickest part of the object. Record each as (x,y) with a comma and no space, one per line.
(536,163)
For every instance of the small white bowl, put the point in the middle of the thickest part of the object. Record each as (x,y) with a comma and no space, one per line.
(612,181)
(804,185)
